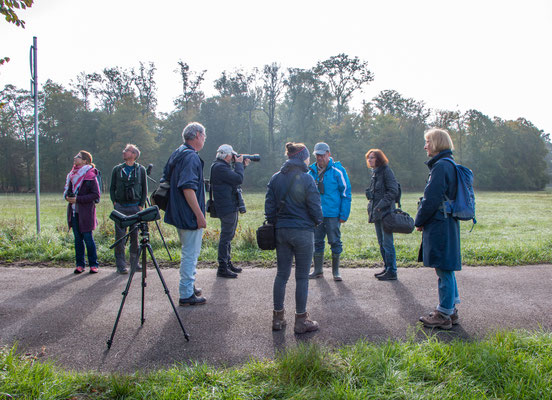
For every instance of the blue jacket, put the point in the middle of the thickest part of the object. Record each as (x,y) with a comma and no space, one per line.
(184,170)
(224,183)
(302,205)
(336,200)
(441,234)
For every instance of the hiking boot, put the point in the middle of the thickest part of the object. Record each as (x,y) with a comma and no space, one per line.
(437,319)
(192,301)
(233,268)
(78,270)
(197,291)
(122,271)
(388,276)
(318,260)
(303,324)
(454,317)
(224,272)
(383,271)
(335,268)
(278,321)
(94,270)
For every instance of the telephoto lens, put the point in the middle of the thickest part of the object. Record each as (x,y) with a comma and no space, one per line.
(252,157)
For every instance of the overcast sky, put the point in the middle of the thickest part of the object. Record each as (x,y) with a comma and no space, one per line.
(494,56)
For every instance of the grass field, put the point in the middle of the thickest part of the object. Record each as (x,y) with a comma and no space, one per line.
(512,229)
(508,365)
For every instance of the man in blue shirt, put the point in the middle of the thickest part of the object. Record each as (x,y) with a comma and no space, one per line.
(335,195)
(186,207)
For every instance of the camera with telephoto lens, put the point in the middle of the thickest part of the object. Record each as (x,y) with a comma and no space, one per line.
(241,203)
(252,157)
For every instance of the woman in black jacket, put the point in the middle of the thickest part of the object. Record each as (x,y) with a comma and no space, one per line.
(293,205)
(382,194)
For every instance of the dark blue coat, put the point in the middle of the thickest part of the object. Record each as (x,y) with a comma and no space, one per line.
(184,170)
(224,184)
(441,233)
(302,208)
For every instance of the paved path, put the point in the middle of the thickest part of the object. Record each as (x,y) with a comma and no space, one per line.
(68,317)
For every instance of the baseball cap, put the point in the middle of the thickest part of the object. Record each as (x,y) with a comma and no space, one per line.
(226,149)
(321,148)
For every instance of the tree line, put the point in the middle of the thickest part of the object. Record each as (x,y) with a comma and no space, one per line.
(257,111)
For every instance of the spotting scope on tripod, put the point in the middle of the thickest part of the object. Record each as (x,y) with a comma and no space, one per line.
(141,220)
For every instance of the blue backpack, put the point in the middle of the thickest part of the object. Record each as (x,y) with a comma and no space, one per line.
(463,208)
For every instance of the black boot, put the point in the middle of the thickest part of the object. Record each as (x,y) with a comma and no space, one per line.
(388,276)
(224,272)
(233,268)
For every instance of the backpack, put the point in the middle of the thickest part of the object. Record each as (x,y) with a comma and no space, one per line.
(99,181)
(463,207)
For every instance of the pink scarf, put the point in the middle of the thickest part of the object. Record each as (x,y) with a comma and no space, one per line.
(76,176)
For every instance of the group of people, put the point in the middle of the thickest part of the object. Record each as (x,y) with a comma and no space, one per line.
(306,203)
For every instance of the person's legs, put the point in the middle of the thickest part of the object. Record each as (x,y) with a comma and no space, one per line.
(303,248)
(333,230)
(379,234)
(90,249)
(79,245)
(284,259)
(389,249)
(191,247)
(319,237)
(447,291)
(228,224)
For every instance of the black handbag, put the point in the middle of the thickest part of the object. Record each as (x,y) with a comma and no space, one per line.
(266,233)
(398,221)
(210,206)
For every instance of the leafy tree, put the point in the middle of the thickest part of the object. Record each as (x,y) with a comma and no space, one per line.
(191,96)
(8,7)
(345,76)
(146,86)
(273,84)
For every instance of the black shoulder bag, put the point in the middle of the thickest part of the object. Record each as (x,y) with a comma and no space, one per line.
(266,233)
(210,207)
(160,196)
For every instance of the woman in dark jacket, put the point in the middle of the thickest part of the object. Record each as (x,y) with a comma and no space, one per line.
(82,193)
(441,232)
(293,204)
(382,194)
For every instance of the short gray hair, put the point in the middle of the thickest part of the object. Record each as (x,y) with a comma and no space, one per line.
(134,149)
(191,131)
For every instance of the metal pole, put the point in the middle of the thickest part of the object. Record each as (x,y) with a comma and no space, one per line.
(34,93)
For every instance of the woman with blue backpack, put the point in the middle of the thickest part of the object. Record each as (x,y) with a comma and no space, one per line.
(440,230)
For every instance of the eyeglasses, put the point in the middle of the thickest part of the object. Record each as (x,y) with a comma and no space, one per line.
(78,156)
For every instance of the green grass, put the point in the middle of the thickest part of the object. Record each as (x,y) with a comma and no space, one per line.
(507,365)
(512,229)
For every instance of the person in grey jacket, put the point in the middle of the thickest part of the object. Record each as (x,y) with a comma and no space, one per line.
(382,194)
(293,204)
(128,191)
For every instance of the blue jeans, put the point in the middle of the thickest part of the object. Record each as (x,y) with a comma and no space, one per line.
(448,291)
(228,225)
(387,247)
(331,227)
(191,247)
(299,243)
(82,238)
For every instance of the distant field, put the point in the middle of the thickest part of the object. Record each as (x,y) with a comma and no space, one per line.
(512,229)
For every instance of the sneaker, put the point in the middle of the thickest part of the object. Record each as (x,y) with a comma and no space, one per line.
(377,274)
(454,317)
(388,276)
(122,271)
(191,301)
(78,270)
(436,319)
(233,268)
(93,270)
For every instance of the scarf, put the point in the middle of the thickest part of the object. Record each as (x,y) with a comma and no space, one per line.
(76,176)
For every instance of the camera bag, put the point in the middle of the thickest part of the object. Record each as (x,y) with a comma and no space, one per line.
(398,221)
(266,233)
(210,206)
(160,196)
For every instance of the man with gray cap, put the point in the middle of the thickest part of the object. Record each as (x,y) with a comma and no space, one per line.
(335,194)
(226,177)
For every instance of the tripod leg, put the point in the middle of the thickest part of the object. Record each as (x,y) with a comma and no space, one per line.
(150,250)
(125,293)
(143,253)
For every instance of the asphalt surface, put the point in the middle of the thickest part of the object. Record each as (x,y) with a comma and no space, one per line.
(68,318)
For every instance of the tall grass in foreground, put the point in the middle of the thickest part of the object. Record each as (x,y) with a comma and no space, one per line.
(512,229)
(508,365)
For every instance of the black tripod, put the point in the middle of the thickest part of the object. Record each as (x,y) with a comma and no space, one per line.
(144,245)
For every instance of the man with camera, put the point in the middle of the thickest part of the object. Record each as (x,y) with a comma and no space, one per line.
(129,190)
(226,177)
(335,194)
(186,206)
